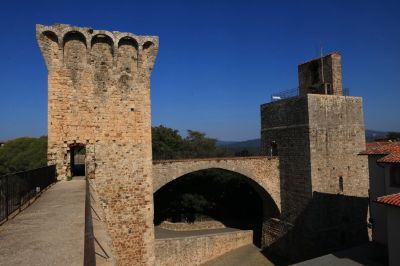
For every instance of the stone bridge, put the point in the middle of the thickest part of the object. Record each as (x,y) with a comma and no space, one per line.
(260,171)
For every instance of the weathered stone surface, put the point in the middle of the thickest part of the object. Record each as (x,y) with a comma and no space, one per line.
(262,173)
(99,97)
(324,182)
(263,170)
(197,250)
(197,225)
(321,76)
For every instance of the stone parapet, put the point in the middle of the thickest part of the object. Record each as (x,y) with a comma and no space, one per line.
(198,225)
(197,250)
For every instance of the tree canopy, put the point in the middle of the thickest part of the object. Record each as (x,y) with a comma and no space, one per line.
(23,154)
(168,144)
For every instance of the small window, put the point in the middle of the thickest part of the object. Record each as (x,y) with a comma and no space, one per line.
(395,176)
(274,149)
(341,184)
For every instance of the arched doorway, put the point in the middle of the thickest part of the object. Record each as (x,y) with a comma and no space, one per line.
(77,160)
(215,194)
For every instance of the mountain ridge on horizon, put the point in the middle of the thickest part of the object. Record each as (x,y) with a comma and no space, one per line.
(253,145)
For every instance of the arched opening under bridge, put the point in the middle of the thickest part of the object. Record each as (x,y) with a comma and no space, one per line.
(232,199)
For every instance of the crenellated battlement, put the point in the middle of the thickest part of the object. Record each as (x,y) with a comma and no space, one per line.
(54,42)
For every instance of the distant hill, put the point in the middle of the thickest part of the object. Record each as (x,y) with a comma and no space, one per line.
(371,135)
(253,145)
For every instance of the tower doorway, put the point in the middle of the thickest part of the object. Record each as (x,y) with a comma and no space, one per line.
(78,156)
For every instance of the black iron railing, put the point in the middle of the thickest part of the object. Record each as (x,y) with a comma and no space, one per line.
(285,94)
(296,92)
(17,189)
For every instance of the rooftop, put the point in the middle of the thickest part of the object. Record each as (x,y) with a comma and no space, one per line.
(393,200)
(391,150)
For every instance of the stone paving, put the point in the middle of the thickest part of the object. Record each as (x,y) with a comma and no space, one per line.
(245,256)
(370,254)
(50,231)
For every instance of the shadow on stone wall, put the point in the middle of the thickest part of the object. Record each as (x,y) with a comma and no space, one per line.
(328,223)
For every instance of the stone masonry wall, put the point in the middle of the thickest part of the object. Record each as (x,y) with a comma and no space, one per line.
(285,123)
(324,182)
(197,250)
(261,172)
(197,225)
(99,97)
(314,73)
(264,171)
(337,216)
(337,136)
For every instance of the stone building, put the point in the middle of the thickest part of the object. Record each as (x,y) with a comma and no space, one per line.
(384,178)
(392,203)
(99,98)
(321,76)
(324,182)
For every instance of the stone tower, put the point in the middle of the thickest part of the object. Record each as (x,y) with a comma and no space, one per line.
(99,98)
(321,76)
(324,182)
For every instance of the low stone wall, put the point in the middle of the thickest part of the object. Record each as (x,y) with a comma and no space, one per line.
(192,226)
(197,250)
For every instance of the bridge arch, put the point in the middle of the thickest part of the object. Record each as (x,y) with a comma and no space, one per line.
(261,172)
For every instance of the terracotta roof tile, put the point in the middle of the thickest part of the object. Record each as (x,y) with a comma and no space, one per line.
(390,149)
(393,200)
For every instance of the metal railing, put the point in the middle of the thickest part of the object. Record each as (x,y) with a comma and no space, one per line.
(296,92)
(285,94)
(16,189)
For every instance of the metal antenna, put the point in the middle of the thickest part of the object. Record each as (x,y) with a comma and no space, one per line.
(322,66)
(322,72)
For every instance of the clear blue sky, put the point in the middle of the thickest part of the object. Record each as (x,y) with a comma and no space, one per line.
(218,60)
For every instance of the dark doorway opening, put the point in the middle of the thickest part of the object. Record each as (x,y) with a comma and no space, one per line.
(78,156)
(274,148)
(214,195)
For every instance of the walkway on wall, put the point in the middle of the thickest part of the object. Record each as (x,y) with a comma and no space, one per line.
(50,232)
(248,255)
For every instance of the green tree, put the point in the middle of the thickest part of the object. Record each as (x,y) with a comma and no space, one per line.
(198,145)
(167,143)
(23,154)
